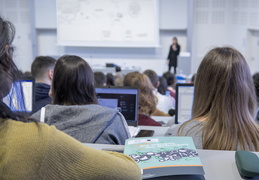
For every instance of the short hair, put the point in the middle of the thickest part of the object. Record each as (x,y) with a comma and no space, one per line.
(118,69)
(99,79)
(147,99)
(170,78)
(41,65)
(73,82)
(256,83)
(152,75)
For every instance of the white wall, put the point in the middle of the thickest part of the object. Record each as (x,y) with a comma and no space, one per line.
(170,25)
(18,12)
(215,22)
(225,22)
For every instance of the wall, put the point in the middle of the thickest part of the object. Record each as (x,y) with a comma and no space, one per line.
(18,12)
(214,22)
(170,25)
(225,22)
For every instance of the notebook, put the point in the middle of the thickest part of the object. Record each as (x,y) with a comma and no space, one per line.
(162,157)
(21,95)
(124,99)
(183,102)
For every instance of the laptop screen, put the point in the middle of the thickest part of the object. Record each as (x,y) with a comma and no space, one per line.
(125,99)
(21,95)
(184,101)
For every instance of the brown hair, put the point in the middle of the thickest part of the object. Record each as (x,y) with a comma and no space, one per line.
(147,100)
(73,82)
(224,97)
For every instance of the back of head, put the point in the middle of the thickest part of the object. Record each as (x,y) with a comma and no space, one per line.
(152,75)
(256,83)
(147,99)
(41,66)
(118,69)
(8,70)
(224,95)
(99,79)
(170,78)
(109,79)
(73,82)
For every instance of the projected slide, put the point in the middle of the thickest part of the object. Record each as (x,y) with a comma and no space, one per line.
(128,23)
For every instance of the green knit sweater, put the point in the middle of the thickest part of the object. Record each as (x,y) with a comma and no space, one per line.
(38,151)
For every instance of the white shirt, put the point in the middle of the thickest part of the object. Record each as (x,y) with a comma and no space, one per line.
(165,103)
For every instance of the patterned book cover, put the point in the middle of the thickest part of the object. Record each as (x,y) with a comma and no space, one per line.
(164,156)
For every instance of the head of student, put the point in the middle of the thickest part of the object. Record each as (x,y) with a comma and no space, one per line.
(8,70)
(99,79)
(170,78)
(73,82)
(42,69)
(224,99)
(147,99)
(152,75)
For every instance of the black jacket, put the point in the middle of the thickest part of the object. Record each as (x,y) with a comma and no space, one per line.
(41,96)
(172,55)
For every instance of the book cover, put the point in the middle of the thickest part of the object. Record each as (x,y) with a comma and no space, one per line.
(164,156)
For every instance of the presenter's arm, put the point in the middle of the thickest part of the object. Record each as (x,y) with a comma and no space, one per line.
(170,49)
(178,50)
(67,158)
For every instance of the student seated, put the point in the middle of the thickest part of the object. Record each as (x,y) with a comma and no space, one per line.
(224,104)
(99,79)
(42,70)
(147,100)
(256,83)
(109,80)
(165,103)
(75,110)
(33,150)
(171,82)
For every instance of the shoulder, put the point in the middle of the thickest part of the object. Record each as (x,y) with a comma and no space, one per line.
(147,121)
(192,127)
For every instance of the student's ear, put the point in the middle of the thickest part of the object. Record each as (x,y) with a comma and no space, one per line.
(157,84)
(51,72)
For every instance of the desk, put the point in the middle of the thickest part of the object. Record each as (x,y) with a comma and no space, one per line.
(159,130)
(218,165)
(105,70)
(167,120)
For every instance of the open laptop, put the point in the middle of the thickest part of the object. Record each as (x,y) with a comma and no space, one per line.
(183,103)
(124,99)
(21,96)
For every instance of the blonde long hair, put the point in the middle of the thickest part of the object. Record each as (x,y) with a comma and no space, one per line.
(224,97)
(147,99)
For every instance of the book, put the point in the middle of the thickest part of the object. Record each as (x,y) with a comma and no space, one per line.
(164,156)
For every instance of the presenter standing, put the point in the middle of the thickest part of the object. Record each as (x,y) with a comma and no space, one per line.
(173,53)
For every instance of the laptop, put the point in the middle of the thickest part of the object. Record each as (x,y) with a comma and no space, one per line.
(21,96)
(183,102)
(123,99)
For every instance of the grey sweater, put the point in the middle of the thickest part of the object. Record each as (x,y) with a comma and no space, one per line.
(193,129)
(88,123)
